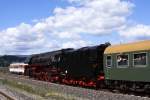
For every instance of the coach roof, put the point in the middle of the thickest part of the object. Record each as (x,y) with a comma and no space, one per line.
(130,47)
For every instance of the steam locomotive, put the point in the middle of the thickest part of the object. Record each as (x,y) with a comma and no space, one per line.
(82,66)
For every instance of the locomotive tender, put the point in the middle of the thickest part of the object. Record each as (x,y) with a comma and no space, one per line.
(124,66)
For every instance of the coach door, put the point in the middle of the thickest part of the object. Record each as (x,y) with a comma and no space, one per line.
(108,65)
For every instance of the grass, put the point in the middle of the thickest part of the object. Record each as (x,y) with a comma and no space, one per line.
(18,85)
(43,92)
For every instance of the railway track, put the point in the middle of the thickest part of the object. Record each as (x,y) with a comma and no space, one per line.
(130,93)
(134,95)
(4,96)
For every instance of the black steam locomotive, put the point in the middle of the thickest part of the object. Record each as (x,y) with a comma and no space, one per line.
(82,66)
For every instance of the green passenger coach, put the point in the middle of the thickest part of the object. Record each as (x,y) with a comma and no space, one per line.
(128,65)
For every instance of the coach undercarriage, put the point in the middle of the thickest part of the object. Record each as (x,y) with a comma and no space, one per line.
(126,86)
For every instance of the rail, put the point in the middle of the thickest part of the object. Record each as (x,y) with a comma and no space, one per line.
(6,96)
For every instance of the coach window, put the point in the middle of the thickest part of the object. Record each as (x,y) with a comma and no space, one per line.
(122,60)
(109,61)
(140,59)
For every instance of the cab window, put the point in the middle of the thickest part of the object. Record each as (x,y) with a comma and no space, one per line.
(122,60)
(108,61)
(139,59)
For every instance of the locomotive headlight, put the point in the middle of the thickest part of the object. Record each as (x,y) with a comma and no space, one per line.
(66,71)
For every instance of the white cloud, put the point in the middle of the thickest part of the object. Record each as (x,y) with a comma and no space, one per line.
(21,40)
(96,17)
(138,31)
(75,44)
(93,17)
(65,27)
(66,35)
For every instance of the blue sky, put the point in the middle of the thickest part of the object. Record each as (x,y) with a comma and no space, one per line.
(141,11)
(14,12)
(34,26)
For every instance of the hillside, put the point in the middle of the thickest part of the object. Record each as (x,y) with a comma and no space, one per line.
(7,59)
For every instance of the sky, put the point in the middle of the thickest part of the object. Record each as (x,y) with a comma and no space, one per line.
(35,26)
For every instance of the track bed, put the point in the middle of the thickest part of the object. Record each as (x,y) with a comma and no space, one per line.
(56,91)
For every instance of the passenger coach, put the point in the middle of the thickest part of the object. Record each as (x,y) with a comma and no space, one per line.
(18,68)
(128,65)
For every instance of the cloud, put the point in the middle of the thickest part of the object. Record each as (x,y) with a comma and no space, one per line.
(138,32)
(21,40)
(96,17)
(65,27)
(75,44)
